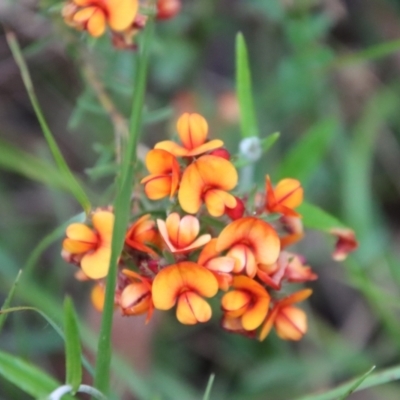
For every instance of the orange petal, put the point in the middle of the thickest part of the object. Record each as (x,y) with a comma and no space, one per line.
(268,324)
(208,146)
(121,13)
(296,297)
(208,172)
(258,234)
(245,260)
(291,323)
(189,228)
(97,23)
(82,233)
(171,281)
(192,309)
(76,247)
(95,265)
(289,193)
(135,299)
(172,147)
(159,162)
(221,264)
(103,222)
(245,283)
(83,15)
(97,297)
(224,280)
(208,252)
(192,130)
(235,301)
(157,186)
(216,201)
(256,314)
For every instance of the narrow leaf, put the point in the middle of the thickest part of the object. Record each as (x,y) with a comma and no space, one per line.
(378,378)
(73,352)
(305,156)
(27,377)
(209,387)
(75,187)
(357,383)
(8,299)
(248,121)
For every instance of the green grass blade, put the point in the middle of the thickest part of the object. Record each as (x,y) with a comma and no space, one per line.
(209,387)
(316,218)
(8,299)
(305,156)
(75,187)
(378,378)
(73,351)
(52,323)
(248,121)
(357,383)
(27,377)
(122,208)
(19,161)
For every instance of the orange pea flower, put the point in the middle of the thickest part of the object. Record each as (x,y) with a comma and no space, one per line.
(193,131)
(95,15)
(164,174)
(141,232)
(287,195)
(250,241)
(135,298)
(248,304)
(94,245)
(97,296)
(221,267)
(180,234)
(185,283)
(208,179)
(290,322)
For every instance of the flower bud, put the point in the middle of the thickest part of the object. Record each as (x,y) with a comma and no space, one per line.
(135,299)
(167,9)
(291,323)
(237,211)
(221,152)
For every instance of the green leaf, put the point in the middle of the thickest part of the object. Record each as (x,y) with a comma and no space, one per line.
(371,380)
(357,383)
(248,121)
(19,161)
(8,299)
(305,156)
(316,218)
(25,376)
(209,387)
(74,186)
(73,352)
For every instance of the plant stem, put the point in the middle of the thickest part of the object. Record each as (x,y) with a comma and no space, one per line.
(121,209)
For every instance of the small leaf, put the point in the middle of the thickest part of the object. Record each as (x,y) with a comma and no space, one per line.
(305,156)
(8,299)
(27,377)
(243,88)
(209,387)
(357,383)
(72,346)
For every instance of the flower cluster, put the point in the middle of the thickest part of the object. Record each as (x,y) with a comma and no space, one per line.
(210,241)
(124,18)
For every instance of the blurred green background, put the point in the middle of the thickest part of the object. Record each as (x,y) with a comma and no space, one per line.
(325,74)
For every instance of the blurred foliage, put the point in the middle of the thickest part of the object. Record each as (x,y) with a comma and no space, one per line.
(325,75)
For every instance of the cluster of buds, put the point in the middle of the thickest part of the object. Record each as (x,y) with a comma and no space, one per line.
(210,241)
(124,18)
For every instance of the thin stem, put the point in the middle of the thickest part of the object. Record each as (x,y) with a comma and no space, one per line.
(74,185)
(122,208)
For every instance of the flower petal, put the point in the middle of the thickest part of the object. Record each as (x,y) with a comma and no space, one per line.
(208,146)
(103,222)
(157,186)
(172,147)
(95,265)
(192,130)
(236,300)
(216,201)
(121,13)
(255,315)
(159,161)
(192,309)
(189,228)
(97,23)
(291,323)
(76,247)
(171,281)
(208,172)
(81,233)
